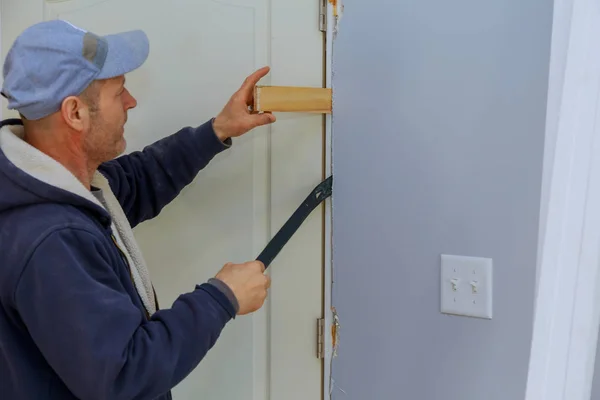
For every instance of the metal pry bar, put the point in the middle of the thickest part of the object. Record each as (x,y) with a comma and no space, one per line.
(276,244)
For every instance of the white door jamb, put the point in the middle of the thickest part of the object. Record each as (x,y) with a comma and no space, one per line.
(567,308)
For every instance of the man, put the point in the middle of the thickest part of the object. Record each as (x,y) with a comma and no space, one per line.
(78,315)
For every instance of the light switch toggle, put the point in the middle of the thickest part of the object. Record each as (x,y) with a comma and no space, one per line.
(474,287)
(454,283)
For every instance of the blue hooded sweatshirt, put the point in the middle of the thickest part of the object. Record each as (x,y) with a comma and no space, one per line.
(72,323)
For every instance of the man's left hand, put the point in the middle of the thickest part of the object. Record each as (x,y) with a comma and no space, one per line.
(235,119)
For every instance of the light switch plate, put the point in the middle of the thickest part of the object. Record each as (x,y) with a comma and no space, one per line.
(466,286)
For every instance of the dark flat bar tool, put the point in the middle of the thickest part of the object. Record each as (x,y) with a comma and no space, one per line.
(276,244)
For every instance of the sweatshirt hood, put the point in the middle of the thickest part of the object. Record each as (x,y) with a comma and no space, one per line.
(29,177)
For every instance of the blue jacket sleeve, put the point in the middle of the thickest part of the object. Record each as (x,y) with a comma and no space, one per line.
(146,181)
(79,315)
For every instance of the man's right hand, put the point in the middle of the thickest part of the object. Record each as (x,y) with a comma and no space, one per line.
(248,283)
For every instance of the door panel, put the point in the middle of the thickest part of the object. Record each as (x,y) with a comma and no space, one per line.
(200,51)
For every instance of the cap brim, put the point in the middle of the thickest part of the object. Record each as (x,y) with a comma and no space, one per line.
(127,52)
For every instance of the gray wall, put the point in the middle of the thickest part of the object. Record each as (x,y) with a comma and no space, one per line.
(438,143)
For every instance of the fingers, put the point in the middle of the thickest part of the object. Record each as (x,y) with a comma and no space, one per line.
(258,265)
(262,269)
(256,120)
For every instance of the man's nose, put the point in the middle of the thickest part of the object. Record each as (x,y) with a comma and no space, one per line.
(130,101)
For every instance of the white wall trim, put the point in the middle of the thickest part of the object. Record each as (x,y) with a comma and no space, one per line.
(329,317)
(567,307)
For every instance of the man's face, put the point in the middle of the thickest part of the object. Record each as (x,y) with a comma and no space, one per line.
(105,137)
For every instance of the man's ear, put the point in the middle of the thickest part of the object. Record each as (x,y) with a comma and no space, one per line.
(75,113)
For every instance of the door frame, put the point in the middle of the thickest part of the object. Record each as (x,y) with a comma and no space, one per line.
(567,307)
(333,11)
(333,15)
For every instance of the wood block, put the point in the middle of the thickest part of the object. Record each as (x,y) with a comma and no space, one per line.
(292,99)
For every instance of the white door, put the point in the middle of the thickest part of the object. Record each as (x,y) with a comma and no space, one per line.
(201,50)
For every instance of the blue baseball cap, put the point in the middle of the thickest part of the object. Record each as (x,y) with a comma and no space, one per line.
(55,59)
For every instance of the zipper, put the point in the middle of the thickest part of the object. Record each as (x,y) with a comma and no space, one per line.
(124,257)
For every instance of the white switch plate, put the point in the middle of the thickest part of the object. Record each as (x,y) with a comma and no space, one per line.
(466,286)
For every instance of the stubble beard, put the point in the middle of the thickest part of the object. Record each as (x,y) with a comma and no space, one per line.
(104,142)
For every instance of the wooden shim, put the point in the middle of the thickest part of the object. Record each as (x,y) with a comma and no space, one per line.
(292,99)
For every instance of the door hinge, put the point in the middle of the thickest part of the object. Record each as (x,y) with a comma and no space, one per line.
(320,338)
(323,15)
